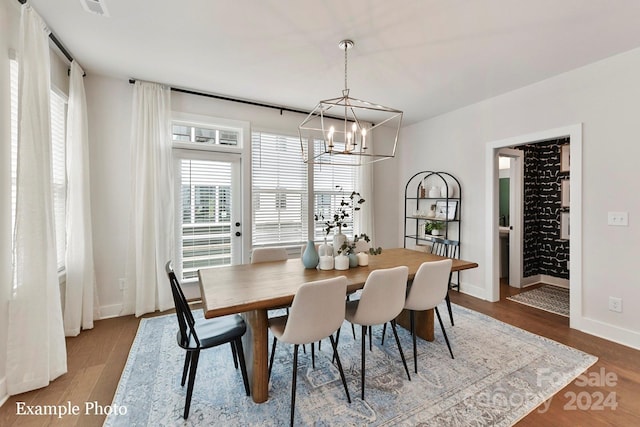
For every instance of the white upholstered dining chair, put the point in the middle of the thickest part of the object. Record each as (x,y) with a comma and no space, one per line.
(268,255)
(381,301)
(428,289)
(317,312)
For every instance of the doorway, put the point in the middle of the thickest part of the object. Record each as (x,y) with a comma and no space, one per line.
(208,214)
(510,194)
(574,133)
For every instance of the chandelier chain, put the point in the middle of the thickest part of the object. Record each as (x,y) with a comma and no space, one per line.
(346,47)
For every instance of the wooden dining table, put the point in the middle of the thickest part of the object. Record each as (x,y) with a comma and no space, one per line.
(252,289)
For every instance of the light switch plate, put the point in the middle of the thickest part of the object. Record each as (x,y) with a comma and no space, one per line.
(618,218)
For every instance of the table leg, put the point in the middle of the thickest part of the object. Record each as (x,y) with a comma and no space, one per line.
(424,323)
(255,343)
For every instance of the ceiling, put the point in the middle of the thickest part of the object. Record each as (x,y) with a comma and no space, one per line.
(425,57)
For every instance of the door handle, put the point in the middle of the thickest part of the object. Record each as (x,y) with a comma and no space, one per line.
(238,233)
(237,224)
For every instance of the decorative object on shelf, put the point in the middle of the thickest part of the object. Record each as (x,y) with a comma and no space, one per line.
(310,257)
(335,131)
(446,209)
(432,212)
(422,190)
(434,192)
(341,262)
(448,191)
(434,228)
(325,252)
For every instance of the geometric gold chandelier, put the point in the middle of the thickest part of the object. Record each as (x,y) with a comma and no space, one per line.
(349,131)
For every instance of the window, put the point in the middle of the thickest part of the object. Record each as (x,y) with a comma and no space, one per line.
(14,138)
(59,173)
(58,162)
(205,135)
(205,188)
(279,190)
(331,184)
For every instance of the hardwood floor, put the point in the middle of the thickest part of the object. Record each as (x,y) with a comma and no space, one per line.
(96,359)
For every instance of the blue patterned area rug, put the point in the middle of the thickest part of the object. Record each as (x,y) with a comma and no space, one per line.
(553,299)
(499,375)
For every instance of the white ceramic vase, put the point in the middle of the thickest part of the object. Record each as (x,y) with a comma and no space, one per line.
(363,259)
(341,262)
(338,241)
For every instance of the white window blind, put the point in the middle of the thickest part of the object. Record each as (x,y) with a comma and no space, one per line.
(58,162)
(14,138)
(279,190)
(205,200)
(58,168)
(331,184)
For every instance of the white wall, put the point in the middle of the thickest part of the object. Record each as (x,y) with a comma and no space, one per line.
(605,97)
(109,106)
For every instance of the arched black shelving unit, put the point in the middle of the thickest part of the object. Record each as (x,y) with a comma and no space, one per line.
(417,204)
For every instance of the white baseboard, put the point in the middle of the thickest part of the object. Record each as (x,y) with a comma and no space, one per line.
(475,291)
(3,391)
(110,311)
(610,332)
(546,279)
(555,281)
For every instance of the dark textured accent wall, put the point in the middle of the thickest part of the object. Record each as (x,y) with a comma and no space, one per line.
(543,250)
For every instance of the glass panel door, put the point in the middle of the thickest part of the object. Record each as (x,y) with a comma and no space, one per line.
(209,218)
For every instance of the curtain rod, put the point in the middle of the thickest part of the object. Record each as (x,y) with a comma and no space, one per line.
(55,40)
(228,98)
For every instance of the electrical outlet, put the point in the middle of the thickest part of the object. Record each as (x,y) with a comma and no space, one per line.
(615,304)
(123,284)
(618,218)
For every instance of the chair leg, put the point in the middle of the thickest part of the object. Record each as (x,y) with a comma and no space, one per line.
(185,370)
(412,316)
(353,328)
(444,332)
(404,362)
(449,307)
(235,354)
(364,332)
(192,379)
(344,380)
(384,330)
(333,358)
(370,340)
(273,353)
(243,365)
(293,382)
(313,356)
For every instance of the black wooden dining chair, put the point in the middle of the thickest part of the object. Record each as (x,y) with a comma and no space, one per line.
(195,335)
(450,249)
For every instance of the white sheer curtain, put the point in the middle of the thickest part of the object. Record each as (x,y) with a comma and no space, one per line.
(364,223)
(151,227)
(80,295)
(36,350)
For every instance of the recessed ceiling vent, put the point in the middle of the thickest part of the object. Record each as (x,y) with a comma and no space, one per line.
(97,7)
